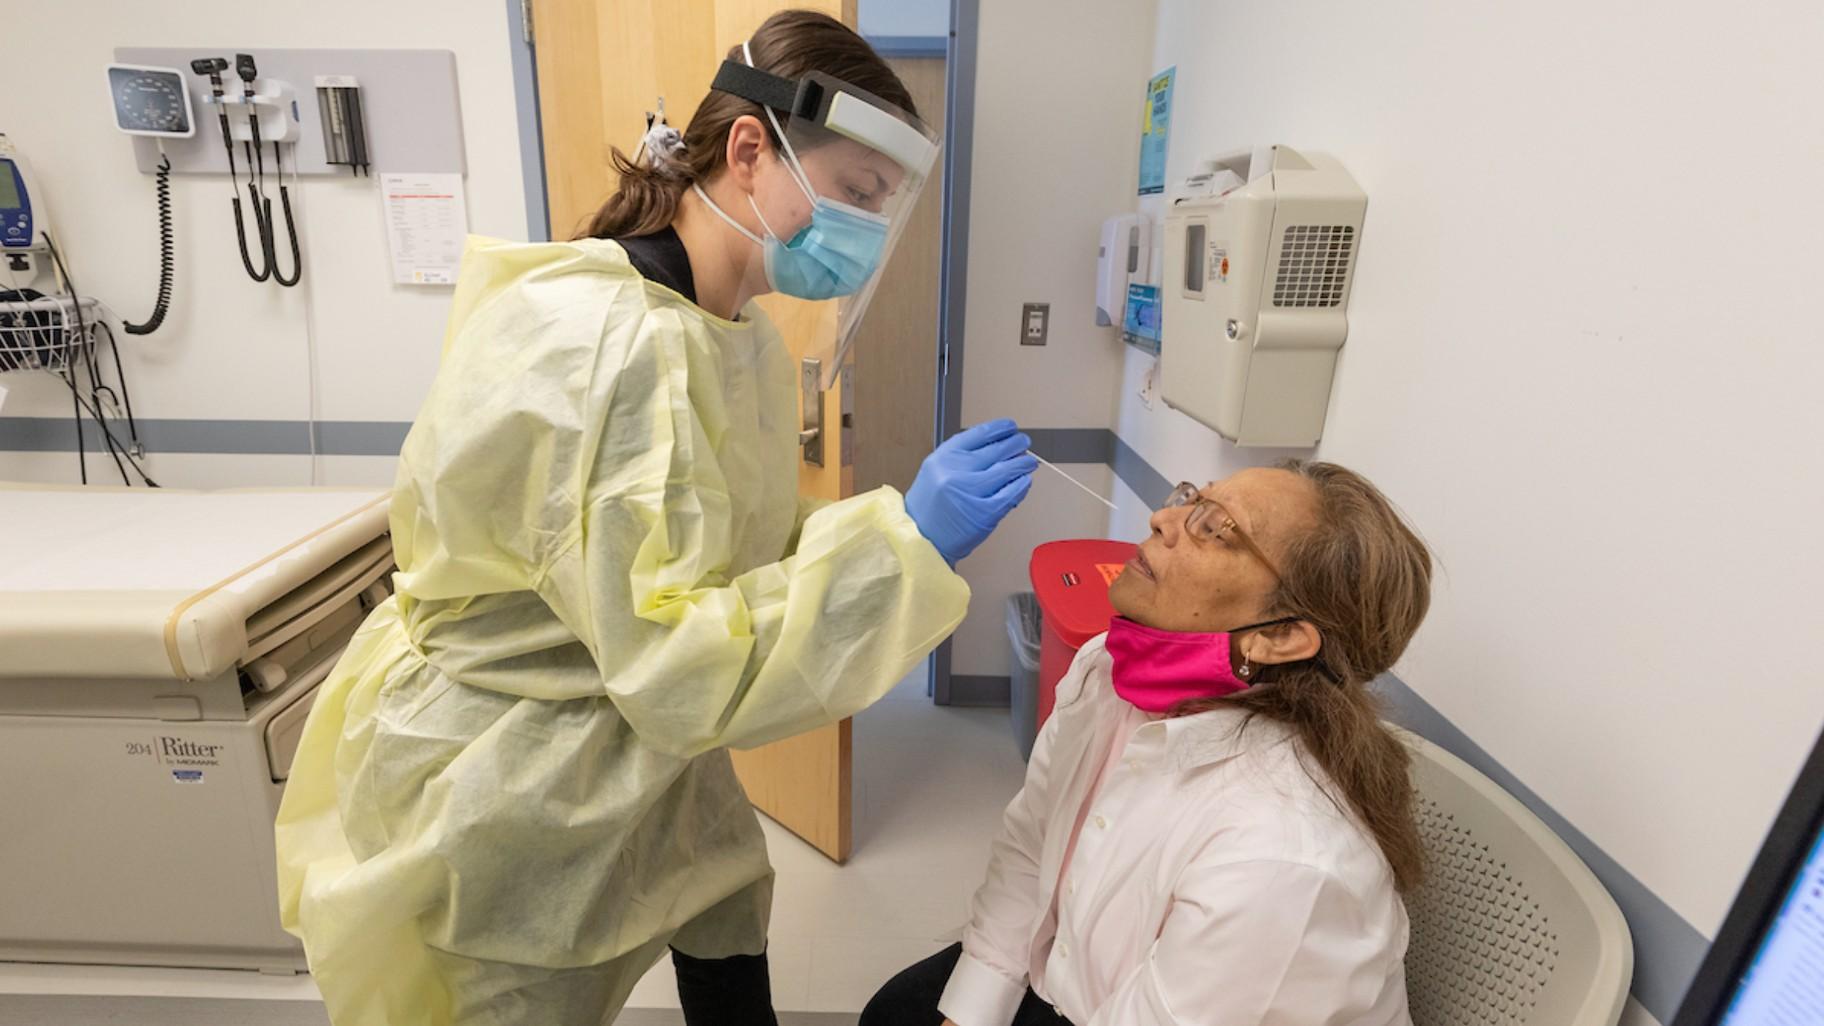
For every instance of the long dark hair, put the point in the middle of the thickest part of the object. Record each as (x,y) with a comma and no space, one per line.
(789,44)
(1363,578)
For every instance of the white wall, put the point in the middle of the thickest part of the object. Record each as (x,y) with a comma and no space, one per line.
(1059,87)
(1584,356)
(233,349)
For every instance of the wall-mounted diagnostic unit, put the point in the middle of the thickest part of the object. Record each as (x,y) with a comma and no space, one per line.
(1255,292)
(154,102)
(19,224)
(151,101)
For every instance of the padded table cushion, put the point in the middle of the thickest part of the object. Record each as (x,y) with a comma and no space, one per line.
(100,582)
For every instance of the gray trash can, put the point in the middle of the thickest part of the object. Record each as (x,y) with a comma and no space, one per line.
(1023,627)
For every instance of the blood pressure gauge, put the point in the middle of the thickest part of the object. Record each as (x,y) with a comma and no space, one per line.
(151,101)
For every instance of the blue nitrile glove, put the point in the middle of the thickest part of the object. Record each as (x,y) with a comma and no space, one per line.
(968,484)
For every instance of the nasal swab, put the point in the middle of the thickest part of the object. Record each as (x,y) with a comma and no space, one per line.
(1092,492)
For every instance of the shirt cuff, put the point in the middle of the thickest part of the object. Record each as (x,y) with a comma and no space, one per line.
(979,995)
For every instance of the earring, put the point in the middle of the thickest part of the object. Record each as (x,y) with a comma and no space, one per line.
(1246,669)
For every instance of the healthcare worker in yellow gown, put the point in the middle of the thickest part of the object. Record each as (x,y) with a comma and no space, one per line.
(513,793)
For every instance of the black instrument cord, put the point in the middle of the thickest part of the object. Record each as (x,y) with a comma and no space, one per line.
(95,408)
(167,256)
(254,198)
(291,227)
(263,206)
(126,394)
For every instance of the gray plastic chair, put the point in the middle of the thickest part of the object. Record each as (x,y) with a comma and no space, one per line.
(1510,928)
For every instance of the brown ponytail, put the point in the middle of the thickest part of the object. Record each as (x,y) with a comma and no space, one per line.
(1363,578)
(789,44)
(646,201)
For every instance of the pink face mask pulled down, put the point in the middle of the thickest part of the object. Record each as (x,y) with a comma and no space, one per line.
(1156,670)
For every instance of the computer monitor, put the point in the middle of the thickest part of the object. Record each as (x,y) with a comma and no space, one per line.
(1766,967)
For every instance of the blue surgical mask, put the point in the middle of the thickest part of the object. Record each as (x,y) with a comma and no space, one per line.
(834,255)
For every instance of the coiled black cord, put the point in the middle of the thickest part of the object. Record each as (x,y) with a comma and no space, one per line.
(167,254)
(255,198)
(291,228)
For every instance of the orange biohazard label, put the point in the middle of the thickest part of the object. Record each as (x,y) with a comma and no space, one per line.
(1110,571)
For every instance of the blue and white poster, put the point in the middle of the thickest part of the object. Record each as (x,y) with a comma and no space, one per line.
(1140,319)
(1155,128)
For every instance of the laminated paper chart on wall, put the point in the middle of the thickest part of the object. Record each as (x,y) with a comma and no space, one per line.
(426,223)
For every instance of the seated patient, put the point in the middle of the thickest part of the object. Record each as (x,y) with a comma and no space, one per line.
(1215,828)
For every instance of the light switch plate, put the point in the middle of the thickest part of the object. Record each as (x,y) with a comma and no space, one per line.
(1035,323)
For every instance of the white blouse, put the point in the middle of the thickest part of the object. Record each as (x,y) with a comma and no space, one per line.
(1213,883)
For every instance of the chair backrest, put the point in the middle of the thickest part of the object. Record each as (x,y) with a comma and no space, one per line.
(1509,928)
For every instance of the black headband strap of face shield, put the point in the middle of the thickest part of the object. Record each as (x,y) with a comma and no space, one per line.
(794,99)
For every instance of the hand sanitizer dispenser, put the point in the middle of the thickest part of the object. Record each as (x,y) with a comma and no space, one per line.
(1125,257)
(1254,291)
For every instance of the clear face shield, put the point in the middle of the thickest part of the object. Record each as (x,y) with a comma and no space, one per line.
(856,165)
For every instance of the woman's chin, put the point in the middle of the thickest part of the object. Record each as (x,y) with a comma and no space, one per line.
(1124,596)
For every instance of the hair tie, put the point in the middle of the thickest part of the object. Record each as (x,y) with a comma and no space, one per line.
(662,146)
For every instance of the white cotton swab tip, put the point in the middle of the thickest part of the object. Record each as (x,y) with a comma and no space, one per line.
(1091,492)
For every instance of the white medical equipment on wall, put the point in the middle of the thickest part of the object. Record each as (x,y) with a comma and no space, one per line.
(46,325)
(154,102)
(159,652)
(37,327)
(1255,289)
(262,112)
(1123,258)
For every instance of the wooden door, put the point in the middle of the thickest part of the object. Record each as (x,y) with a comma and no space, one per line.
(601,65)
(895,355)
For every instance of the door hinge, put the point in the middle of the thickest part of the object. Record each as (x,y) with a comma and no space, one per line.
(525,20)
(943,361)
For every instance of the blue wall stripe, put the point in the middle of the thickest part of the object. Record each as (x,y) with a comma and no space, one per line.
(909,46)
(361,438)
(1072,445)
(980,691)
(1139,475)
(214,437)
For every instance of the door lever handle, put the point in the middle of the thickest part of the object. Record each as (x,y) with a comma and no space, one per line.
(810,424)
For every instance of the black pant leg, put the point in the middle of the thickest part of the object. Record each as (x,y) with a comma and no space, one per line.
(734,991)
(910,999)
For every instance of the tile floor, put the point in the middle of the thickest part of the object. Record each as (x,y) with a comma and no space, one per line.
(930,784)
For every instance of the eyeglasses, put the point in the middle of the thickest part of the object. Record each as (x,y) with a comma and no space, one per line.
(1208,522)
